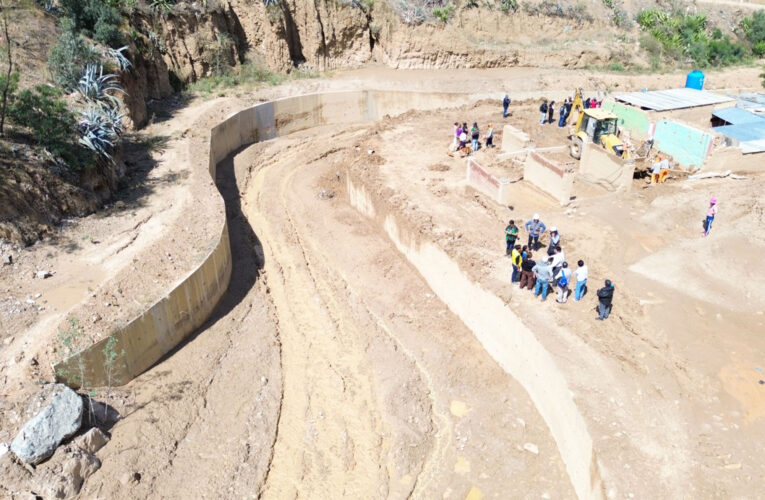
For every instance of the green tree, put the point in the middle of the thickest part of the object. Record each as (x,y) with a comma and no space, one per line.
(98,19)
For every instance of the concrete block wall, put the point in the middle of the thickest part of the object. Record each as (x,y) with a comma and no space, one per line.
(514,140)
(549,177)
(631,119)
(688,146)
(601,167)
(152,334)
(480,179)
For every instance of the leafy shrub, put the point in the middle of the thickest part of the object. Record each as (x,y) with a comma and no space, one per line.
(754,27)
(443,13)
(50,122)
(217,54)
(758,49)
(509,5)
(162,6)
(69,56)
(95,18)
(687,36)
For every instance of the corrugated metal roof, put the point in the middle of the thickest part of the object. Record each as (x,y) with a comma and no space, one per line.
(751,136)
(736,116)
(665,100)
(753,146)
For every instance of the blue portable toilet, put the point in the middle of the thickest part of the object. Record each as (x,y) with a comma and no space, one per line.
(695,80)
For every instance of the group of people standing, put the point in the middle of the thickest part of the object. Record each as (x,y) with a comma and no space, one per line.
(547,110)
(552,269)
(462,133)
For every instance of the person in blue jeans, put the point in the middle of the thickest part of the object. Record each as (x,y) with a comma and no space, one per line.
(543,273)
(581,274)
(535,228)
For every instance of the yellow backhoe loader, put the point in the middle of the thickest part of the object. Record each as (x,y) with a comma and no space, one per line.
(598,126)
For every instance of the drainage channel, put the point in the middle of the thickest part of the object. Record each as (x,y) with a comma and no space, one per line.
(504,336)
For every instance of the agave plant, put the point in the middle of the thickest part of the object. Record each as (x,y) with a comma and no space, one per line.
(99,128)
(97,87)
(121,59)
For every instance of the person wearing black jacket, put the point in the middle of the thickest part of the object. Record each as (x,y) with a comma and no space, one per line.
(605,296)
(543,110)
(505,104)
(527,275)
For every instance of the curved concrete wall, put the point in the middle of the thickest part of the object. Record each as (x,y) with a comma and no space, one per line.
(155,332)
(504,336)
(165,324)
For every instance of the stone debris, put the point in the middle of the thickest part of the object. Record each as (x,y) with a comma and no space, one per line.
(92,441)
(41,275)
(531,448)
(4,449)
(66,480)
(40,436)
(326,194)
(7,259)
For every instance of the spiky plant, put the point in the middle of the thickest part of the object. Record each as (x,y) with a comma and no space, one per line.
(99,88)
(121,59)
(99,128)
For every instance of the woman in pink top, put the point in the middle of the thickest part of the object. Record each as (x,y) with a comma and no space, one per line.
(711,212)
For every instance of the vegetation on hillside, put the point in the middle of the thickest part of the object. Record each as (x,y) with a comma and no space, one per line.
(681,36)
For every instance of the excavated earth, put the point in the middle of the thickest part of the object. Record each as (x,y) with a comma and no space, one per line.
(337,365)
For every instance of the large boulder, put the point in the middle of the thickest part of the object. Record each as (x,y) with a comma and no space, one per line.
(58,420)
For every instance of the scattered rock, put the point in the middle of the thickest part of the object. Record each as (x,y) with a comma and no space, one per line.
(7,259)
(67,481)
(92,441)
(4,449)
(41,275)
(130,478)
(326,194)
(41,435)
(531,448)
(33,362)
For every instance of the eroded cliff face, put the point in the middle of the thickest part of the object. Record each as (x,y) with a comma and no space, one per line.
(193,40)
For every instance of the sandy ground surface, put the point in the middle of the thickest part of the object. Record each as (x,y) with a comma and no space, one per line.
(308,381)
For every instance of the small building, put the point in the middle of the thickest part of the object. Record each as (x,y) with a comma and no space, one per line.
(692,106)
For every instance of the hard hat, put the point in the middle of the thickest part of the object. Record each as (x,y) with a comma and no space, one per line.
(553,229)
(536,217)
(713,201)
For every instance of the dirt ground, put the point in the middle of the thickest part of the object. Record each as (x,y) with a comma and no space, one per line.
(308,381)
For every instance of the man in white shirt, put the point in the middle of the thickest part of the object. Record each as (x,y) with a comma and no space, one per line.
(557,260)
(564,279)
(581,274)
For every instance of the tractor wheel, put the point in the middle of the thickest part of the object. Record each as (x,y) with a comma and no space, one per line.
(576,148)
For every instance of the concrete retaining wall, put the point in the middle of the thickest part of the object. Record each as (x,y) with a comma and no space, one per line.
(514,140)
(601,167)
(155,332)
(504,336)
(687,145)
(480,179)
(549,177)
